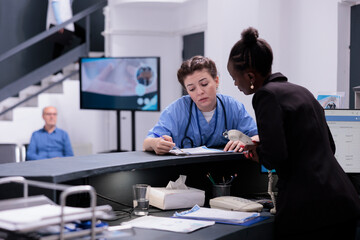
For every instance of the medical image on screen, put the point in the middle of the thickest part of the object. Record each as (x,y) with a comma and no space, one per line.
(124,83)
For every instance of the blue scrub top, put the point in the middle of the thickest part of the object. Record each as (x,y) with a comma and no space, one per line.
(174,118)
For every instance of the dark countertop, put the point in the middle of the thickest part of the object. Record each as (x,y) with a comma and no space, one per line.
(60,170)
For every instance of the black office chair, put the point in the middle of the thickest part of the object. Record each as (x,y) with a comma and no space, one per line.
(9,153)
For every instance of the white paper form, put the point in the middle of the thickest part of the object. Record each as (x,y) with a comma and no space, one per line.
(217,215)
(169,224)
(195,151)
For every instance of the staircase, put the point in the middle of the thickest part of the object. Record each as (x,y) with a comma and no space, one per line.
(29,97)
(22,100)
(28,86)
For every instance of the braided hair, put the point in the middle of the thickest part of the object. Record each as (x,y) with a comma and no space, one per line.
(251,52)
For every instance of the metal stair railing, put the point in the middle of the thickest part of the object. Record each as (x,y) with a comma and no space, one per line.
(47,69)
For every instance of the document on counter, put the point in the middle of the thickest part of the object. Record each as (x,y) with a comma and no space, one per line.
(195,151)
(168,224)
(217,215)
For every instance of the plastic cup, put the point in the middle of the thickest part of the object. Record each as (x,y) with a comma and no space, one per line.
(141,199)
(221,190)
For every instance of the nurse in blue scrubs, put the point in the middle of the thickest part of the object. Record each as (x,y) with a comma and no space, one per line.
(201,117)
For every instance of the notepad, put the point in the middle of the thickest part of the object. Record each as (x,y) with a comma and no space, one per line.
(196,151)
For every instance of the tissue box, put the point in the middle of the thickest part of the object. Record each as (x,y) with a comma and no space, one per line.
(176,198)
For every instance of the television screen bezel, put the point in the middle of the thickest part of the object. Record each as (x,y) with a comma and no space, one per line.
(158,62)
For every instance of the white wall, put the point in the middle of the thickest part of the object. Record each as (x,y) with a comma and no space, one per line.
(343,59)
(152,30)
(303,36)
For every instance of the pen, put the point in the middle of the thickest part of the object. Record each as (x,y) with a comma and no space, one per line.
(232,179)
(210,178)
(158,135)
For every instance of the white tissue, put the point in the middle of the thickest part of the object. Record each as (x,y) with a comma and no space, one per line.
(178,184)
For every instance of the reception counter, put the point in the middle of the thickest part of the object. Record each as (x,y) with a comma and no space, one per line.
(59,170)
(113,174)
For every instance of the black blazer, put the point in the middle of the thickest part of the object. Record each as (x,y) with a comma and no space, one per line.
(313,190)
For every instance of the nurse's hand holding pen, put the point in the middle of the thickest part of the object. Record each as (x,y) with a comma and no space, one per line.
(163,144)
(160,145)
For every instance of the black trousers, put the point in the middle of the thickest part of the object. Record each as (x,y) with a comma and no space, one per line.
(61,45)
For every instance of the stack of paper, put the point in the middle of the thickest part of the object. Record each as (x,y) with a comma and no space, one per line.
(168,224)
(30,218)
(217,215)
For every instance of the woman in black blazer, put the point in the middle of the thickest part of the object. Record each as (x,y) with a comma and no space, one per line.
(315,197)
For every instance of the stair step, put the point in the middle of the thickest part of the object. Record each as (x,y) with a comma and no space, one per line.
(70,68)
(7,116)
(49,81)
(96,54)
(11,101)
(28,92)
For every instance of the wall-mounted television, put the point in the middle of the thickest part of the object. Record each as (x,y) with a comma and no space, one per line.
(120,83)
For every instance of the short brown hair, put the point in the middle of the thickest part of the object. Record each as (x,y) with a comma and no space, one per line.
(196,63)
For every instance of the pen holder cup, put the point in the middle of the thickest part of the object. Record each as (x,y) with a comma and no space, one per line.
(221,190)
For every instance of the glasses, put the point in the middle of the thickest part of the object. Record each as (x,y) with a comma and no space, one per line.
(49,114)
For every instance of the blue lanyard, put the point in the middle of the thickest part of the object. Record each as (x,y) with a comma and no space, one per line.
(198,123)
